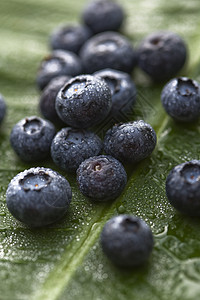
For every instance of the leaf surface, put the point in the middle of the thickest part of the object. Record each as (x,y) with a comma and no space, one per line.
(65,261)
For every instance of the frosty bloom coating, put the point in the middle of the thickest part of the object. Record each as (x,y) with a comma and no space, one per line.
(108,50)
(181,99)
(84,101)
(58,63)
(161,55)
(31,138)
(183,187)
(127,241)
(130,142)
(38,196)
(70,147)
(101,178)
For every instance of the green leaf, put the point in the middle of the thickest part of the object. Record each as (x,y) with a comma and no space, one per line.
(65,261)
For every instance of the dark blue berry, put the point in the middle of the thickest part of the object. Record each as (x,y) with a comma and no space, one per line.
(70,147)
(70,37)
(161,55)
(101,178)
(127,241)
(183,187)
(31,138)
(48,98)
(38,196)
(103,15)
(84,101)
(123,91)
(181,99)
(130,142)
(2,108)
(108,50)
(57,64)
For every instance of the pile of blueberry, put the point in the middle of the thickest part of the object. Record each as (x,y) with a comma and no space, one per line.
(85,80)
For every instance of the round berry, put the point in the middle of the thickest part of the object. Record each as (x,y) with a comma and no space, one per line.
(123,91)
(84,101)
(108,50)
(70,147)
(183,187)
(130,142)
(70,37)
(31,138)
(127,241)
(103,15)
(38,196)
(48,98)
(57,64)
(161,55)
(181,99)
(2,108)
(101,178)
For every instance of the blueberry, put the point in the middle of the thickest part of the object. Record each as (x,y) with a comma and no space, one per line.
(38,196)
(123,91)
(183,187)
(48,98)
(108,50)
(2,108)
(103,15)
(57,64)
(31,138)
(161,55)
(127,241)
(181,99)
(84,101)
(70,147)
(101,178)
(130,142)
(70,37)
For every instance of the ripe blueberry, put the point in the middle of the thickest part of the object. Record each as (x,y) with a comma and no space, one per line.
(84,101)
(108,50)
(70,37)
(48,98)
(123,91)
(183,187)
(38,196)
(130,142)
(181,99)
(101,178)
(161,55)
(127,241)
(103,15)
(2,108)
(31,138)
(70,147)
(57,64)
